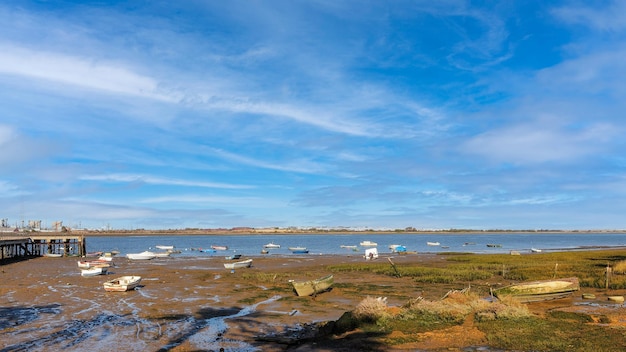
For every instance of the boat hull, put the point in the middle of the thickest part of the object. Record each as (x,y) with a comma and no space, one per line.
(121,284)
(237,265)
(313,287)
(537,291)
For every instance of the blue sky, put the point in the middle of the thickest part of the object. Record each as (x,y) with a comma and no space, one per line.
(378,114)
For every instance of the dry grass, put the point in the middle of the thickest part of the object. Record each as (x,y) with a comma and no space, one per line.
(620,267)
(371,309)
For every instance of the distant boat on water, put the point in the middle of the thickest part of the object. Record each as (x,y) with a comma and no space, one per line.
(368,244)
(298,250)
(433,244)
(494,245)
(164,247)
(271,245)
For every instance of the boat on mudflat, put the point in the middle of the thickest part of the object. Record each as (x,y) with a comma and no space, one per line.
(298,250)
(237,265)
(87,264)
(541,290)
(121,284)
(145,255)
(312,287)
(94,271)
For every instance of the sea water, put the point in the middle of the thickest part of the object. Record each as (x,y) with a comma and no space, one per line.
(251,245)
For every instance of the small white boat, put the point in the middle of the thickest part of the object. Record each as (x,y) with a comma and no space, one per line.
(535,250)
(105,258)
(53,255)
(162,254)
(233,257)
(94,271)
(121,284)
(368,244)
(163,247)
(220,248)
(371,254)
(237,265)
(271,245)
(433,244)
(298,250)
(145,255)
(86,264)
(348,246)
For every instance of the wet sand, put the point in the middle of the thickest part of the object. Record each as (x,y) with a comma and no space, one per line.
(194,303)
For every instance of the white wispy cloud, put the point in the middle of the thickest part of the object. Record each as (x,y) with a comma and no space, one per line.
(130,178)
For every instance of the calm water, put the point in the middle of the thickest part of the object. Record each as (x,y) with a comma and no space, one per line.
(330,244)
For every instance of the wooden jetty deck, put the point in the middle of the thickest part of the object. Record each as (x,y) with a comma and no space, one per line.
(15,246)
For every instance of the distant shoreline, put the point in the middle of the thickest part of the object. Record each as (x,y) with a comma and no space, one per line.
(285,232)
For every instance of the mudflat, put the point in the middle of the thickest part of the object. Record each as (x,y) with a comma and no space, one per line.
(195,304)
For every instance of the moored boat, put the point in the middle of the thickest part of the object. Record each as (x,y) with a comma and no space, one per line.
(433,243)
(145,255)
(348,246)
(121,284)
(94,271)
(494,245)
(236,265)
(271,245)
(164,247)
(368,244)
(312,287)
(298,250)
(219,248)
(541,290)
(535,250)
(233,257)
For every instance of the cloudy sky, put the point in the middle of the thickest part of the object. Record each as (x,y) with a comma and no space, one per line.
(379,114)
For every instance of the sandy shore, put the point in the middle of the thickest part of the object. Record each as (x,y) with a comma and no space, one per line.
(191,304)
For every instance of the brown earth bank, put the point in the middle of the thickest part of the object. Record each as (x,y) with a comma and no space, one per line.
(195,304)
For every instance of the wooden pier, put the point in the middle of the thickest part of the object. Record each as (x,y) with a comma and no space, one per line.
(22,246)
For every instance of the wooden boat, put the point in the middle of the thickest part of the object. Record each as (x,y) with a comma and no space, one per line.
(233,257)
(163,247)
(618,299)
(220,248)
(271,245)
(94,271)
(368,244)
(298,250)
(121,284)
(312,287)
(87,264)
(237,265)
(145,255)
(433,244)
(542,290)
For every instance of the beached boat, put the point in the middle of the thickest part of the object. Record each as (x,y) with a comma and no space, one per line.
(105,258)
(618,299)
(271,245)
(53,255)
(542,290)
(298,250)
(312,287)
(233,257)
(368,244)
(162,254)
(94,271)
(237,265)
(433,244)
(164,247)
(535,250)
(86,264)
(371,254)
(121,284)
(220,248)
(145,255)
